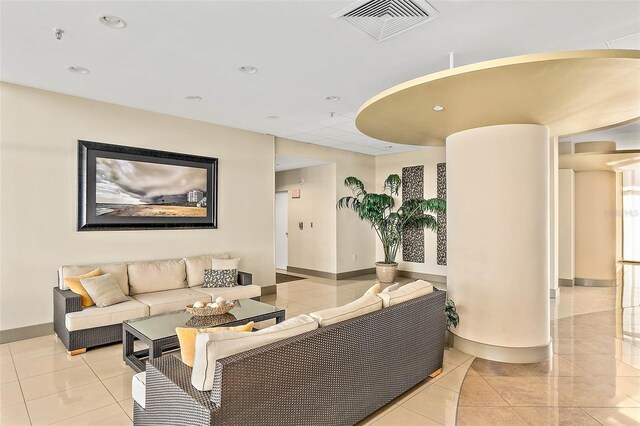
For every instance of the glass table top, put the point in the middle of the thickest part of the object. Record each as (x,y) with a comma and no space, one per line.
(164,325)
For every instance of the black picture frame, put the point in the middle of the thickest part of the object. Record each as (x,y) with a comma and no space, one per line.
(89,220)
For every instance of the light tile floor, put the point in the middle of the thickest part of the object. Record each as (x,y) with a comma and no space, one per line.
(41,384)
(593,377)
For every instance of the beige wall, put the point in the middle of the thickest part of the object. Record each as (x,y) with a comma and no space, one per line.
(353,237)
(393,163)
(566,224)
(595,225)
(39,188)
(312,247)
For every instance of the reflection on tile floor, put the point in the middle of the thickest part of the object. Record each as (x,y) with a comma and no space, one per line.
(593,377)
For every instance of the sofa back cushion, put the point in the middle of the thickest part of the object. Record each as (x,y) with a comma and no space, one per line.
(197,264)
(406,292)
(367,303)
(118,270)
(212,346)
(147,277)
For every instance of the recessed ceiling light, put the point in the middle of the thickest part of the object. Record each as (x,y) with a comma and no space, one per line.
(438,108)
(112,22)
(78,70)
(248,69)
(194,98)
(332,98)
(273,117)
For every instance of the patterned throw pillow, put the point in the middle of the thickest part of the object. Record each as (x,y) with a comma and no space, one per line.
(220,278)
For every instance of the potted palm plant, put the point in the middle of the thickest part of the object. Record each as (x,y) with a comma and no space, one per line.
(389,224)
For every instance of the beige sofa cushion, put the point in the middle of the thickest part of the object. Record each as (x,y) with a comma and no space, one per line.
(139,388)
(104,290)
(230,293)
(118,270)
(196,265)
(406,292)
(367,303)
(212,346)
(147,277)
(93,316)
(170,300)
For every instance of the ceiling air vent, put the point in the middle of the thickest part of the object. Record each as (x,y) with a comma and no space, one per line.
(383,19)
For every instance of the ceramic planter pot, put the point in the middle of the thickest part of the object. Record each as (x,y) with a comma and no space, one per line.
(386,272)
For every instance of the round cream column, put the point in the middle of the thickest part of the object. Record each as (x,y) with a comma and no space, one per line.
(595,221)
(499,200)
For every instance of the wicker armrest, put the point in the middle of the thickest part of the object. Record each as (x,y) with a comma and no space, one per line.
(245,278)
(65,301)
(168,378)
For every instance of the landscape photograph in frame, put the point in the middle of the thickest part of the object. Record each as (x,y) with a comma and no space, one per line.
(124,188)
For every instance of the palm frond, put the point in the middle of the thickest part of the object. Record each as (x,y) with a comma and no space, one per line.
(393,183)
(348,203)
(355,185)
(421,221)
(435,205)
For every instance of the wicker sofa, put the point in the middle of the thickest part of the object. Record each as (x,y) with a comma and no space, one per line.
(154,287)
(334,375)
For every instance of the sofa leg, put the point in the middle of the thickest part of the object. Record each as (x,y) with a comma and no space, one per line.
(77,351)
(436,373)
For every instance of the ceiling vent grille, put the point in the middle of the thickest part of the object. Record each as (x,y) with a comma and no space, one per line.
(383,19)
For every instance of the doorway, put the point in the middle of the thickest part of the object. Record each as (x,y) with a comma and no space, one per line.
(282,231)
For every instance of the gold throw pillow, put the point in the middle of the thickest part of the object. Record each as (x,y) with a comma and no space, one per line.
(187,338)
(75,286)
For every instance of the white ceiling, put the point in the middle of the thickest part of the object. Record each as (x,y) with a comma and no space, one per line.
(289,162)
(626,136)
(173,49)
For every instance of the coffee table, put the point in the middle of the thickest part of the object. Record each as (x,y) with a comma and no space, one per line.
(159,331)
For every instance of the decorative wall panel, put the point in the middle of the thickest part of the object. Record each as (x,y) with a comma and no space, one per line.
(413,239)
(441,255)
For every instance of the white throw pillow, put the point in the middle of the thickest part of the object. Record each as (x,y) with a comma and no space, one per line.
(225,263)
(406,292)
(223,273)
(104,290)
(196,265)
(367,303)
(212,346)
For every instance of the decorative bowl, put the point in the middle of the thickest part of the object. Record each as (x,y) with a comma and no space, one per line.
(206,311)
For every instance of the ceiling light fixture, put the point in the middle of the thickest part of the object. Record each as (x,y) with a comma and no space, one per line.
(273,117)
(78,70)
(112,22)
(438,108)
(248,69)
(194,98)
(332,98)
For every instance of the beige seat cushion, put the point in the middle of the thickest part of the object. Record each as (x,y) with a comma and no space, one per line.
(93,316)
(230,293)
(139,388)
(196,265)
(212,346)
(147,277)
(367,303)
(406,292)
(118,270)
(171,300)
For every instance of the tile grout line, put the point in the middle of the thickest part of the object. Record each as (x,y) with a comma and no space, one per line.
(24,401)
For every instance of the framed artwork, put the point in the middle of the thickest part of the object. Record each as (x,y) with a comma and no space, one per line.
(128,188)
